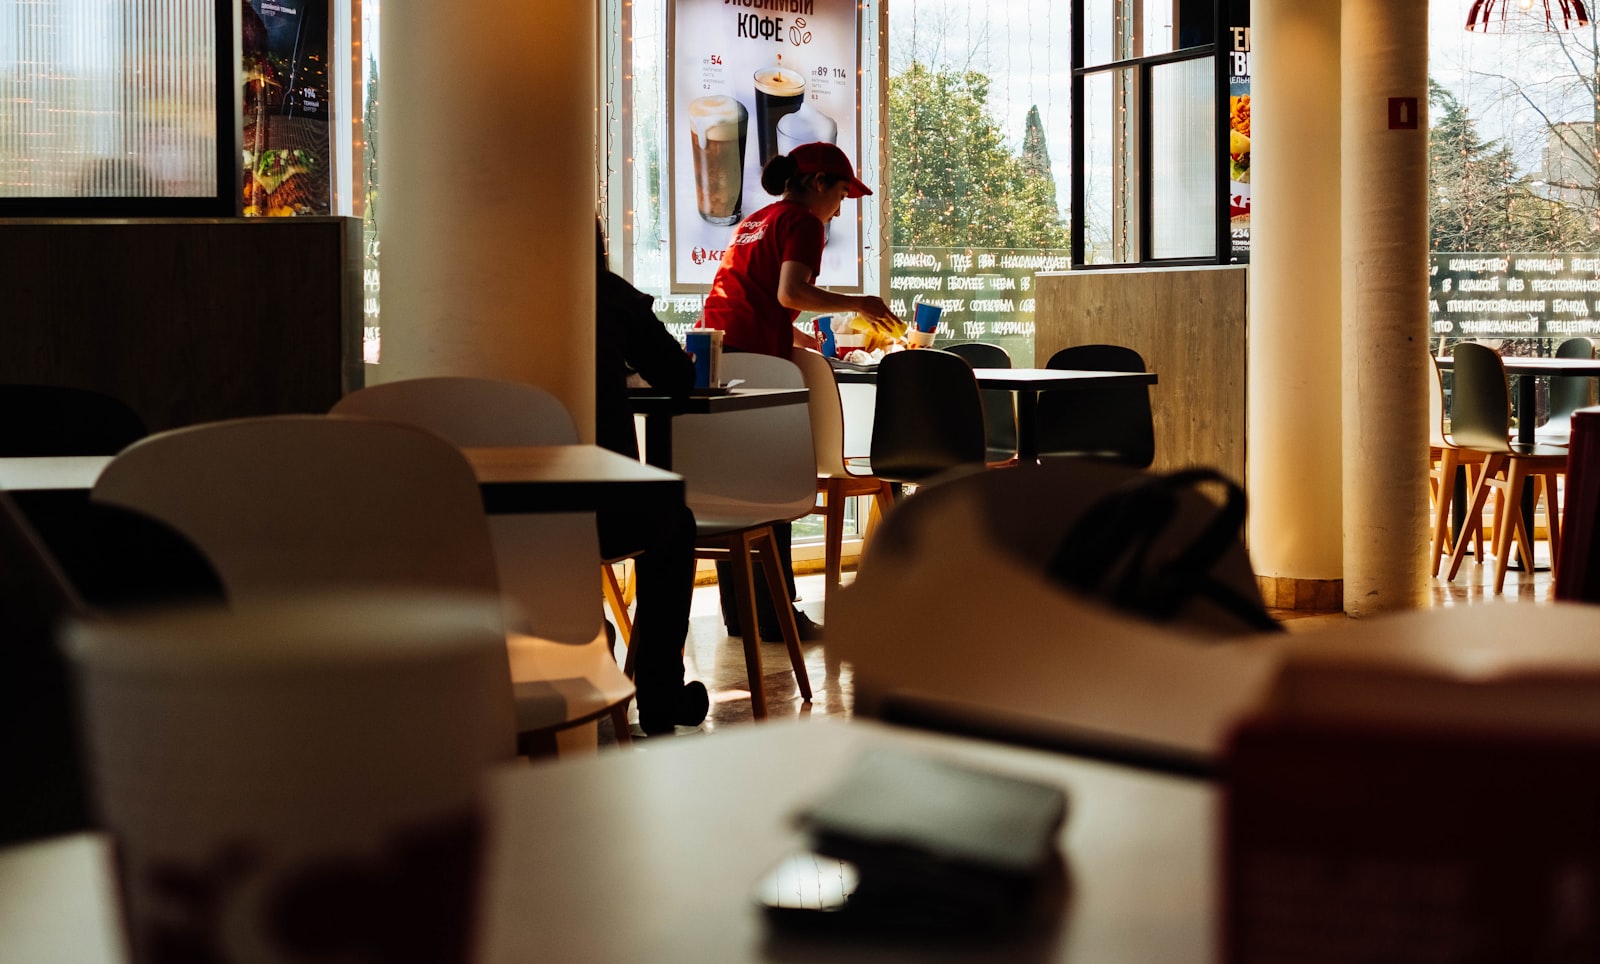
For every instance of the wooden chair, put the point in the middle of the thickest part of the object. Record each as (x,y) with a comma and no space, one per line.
(289,504)
(928,418)
(838,476)
(1480,420)
(487,412)
(1567,394)
(1445,457)
(743,472)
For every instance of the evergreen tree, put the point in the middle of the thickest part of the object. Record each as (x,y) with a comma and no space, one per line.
(1478,202)
(369,133)
(952,181)
(1035,151)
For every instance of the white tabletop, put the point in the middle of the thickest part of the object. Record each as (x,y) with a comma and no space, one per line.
(654,855)
(57,903)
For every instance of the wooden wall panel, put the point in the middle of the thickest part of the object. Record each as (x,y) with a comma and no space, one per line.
(185,320)
(1189,324)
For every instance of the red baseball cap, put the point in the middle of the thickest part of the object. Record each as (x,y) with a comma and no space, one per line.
(820,157)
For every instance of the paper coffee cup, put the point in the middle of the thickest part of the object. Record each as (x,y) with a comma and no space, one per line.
(847,342)
(705,344)
(919,339)
(289,782)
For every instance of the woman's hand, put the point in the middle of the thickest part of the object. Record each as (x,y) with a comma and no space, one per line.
(874,308)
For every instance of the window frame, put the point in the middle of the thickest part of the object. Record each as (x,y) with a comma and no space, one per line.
(1142,67)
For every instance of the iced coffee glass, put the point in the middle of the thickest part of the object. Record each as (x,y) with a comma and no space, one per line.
(717,128)
(779,91)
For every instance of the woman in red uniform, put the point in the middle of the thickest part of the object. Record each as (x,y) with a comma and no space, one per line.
(767,277)
(768,274)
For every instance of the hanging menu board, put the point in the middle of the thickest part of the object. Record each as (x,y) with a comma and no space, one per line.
(1238,54)
(752,79)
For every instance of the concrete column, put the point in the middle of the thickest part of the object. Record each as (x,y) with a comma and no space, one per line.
(487,180)
(1385,55)
(1293,468)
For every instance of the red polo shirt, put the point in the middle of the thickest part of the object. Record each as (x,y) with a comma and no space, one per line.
(744,295)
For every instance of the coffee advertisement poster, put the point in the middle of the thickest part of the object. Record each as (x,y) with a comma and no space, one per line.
(752,79)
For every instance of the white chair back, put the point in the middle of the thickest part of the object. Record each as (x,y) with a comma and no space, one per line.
(827,413)
(291,503)
(548,563)
(745,468)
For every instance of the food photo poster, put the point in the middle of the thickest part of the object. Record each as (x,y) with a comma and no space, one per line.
(752,79)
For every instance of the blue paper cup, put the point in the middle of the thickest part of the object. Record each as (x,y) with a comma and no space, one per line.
(697,341)
(824,325)
(927,316)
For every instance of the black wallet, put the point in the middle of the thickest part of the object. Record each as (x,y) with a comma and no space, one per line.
(919,824)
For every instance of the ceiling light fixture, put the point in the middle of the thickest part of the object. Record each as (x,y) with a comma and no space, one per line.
(1526,16)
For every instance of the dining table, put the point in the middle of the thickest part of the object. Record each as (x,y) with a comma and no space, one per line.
(1025,384)
(659,409)
(512,479)
(579,863)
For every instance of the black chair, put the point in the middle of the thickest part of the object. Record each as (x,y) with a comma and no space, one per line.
(53,420)
(47,791)
(1567,394)
(928,417)
(1112,424)
(999,407)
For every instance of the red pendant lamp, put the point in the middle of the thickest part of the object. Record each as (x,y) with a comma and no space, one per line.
(1526,16)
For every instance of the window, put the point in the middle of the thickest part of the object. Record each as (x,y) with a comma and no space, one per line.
(1156,177)
(117,107)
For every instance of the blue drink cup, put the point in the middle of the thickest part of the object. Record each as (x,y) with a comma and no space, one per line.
(927,316)
(702,343)
(824,325)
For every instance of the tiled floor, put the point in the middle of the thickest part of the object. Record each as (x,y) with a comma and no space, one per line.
(717,660)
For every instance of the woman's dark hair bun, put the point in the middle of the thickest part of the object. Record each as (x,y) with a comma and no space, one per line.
(775,176)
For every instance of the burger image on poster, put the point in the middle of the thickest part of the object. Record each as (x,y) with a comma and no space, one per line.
(805,126)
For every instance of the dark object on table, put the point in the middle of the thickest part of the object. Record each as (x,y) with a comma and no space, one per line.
(1113,423)
(935,842)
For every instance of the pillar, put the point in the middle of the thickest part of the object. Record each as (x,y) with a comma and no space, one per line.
(1293,345)
(487,181)
(1385,240)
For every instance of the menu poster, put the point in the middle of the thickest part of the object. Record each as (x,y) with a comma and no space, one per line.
(287,114)
(752,79)
(1238,54)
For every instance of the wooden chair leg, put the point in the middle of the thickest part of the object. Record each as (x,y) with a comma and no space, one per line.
(619,723)
(617,600)
(1474,525)
(1441,511)
(767,550)
(833,538)
(1509,519)
(1552,513)
(744,599)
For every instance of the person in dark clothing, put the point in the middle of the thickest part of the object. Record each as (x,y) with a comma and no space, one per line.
(629,337)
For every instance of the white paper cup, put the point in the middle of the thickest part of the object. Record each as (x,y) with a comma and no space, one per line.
(298,781)
(846,342)
(919,339)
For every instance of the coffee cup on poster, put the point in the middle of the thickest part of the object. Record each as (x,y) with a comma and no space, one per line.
(805,126)
(270,773)
(779,91)
(717,128)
